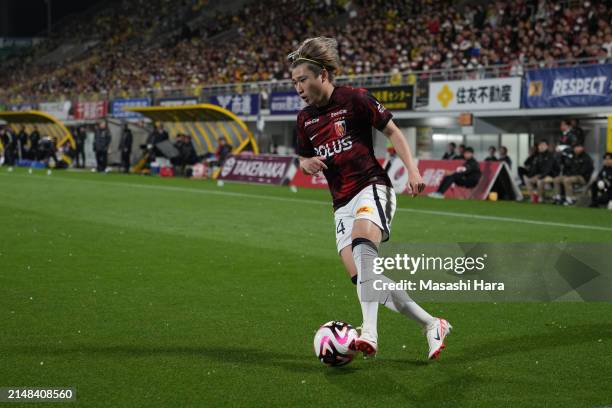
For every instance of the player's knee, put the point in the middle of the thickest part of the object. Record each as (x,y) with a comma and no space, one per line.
(363,241)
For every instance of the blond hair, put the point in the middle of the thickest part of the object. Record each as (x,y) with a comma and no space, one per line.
(318,53)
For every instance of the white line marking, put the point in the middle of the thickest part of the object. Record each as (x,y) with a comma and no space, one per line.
(326,203)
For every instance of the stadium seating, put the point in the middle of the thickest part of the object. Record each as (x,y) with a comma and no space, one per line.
(149,45)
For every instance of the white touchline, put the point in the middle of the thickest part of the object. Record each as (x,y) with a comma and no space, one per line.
(326,203)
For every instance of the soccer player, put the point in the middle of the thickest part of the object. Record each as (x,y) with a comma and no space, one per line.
(335,137)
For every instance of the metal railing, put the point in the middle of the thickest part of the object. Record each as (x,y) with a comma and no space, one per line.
(420,79)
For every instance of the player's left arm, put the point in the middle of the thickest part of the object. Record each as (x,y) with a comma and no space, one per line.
(395,135)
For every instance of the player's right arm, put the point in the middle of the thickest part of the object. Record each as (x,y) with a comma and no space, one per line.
(309,162)
(312,165)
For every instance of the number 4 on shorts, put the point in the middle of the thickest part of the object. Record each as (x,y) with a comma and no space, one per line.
(340,228)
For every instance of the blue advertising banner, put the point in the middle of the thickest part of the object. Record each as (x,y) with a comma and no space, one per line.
(117,106)
(285,103)
(22,107)
(572,86)
(241,104)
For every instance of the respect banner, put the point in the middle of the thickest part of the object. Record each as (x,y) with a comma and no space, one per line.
(572,86)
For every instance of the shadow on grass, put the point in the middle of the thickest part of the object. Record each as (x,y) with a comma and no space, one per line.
(442,383)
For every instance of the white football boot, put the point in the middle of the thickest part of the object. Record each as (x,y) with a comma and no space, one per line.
(435,333)
(366,343)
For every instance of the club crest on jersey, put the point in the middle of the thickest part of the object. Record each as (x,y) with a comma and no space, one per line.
(340,127)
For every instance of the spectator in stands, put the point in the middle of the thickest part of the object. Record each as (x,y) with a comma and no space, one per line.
(503,156)
(450,152)
(34,142)
(577,171)
(81,136)
(102,141)
(429,35)
(22,143)
(492,154)
(543,170)
(223,150)
(466,175)
(601,189)
(523,171)
(125,147)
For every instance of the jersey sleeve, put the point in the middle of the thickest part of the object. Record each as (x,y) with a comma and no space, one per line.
(304,146)
(376,113)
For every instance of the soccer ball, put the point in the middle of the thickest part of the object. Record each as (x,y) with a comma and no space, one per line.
(333,343)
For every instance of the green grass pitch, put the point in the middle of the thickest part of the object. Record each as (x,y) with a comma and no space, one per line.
(151,292)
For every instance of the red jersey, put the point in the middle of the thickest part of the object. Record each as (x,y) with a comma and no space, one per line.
(341,132)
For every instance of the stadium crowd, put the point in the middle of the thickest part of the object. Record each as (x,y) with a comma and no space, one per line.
(375,37)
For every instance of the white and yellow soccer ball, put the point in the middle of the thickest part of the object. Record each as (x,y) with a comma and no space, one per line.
(334,343)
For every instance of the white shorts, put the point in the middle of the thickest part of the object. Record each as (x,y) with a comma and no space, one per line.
(375,203)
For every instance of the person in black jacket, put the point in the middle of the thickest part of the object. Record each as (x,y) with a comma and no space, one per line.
(125,146)
(47,151)
(467,175)
(460,153)
(102,140)
(81,136)
(601,189)
(158,135)
(223,150)
(22,143)
(568,134)
(450,152)
(544,169)
(577,170)
(34,142)
(523,171)
(9,142)
(503,156)
(492,154)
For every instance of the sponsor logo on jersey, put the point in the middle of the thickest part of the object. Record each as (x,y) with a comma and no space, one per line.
(364,210)
(338,113)
(311,122)
(335,147)
(340,127)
